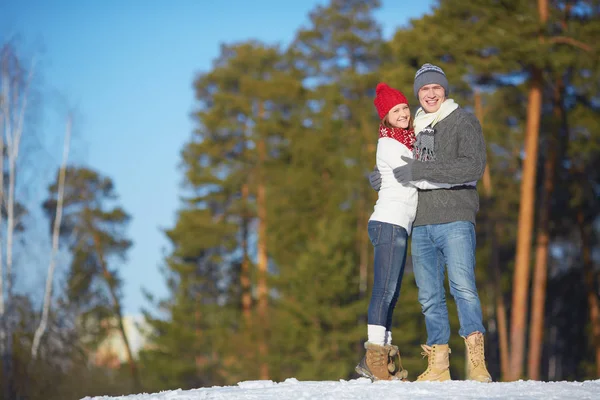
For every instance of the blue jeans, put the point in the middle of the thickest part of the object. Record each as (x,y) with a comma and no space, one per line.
(433,248)
(390,243)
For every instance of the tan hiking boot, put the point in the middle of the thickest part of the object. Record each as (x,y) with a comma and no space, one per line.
(395,363)
(438,363)
(374,364)
(476,369)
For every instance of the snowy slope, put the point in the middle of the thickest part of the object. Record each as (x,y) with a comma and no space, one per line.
(363,389)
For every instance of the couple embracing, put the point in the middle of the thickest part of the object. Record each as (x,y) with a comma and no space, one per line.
(426,175)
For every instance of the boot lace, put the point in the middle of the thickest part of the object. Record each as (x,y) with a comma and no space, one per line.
(427,353)
(475,347)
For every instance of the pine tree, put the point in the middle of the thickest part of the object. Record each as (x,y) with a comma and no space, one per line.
(245,107)
(330,156)
(93,230)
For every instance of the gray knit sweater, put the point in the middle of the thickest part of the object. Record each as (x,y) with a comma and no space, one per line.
(460,157)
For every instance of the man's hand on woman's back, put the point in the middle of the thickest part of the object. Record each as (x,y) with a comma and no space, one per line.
(375,179)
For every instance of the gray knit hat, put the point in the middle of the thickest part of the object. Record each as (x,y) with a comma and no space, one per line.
(429,74)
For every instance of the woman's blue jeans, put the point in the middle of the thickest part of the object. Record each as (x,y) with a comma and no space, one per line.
(433,248)
(390,243)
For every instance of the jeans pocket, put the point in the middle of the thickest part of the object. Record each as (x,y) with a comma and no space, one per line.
(374,232)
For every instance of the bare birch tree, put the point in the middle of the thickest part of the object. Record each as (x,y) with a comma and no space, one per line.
(39,332)
(15,82)
(15,92)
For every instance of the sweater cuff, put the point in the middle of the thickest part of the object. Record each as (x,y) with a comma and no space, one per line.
(418,170)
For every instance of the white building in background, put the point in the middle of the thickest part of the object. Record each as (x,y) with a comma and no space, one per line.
(112,351)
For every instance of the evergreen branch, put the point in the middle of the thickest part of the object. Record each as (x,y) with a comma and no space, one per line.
(572,42)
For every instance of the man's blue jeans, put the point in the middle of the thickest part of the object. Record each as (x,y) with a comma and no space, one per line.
(390,243)
(433,248)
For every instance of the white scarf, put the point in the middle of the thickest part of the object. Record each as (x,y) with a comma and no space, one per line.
(424,119)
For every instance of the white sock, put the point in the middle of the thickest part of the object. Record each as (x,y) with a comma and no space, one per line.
(376,334)
(388,337)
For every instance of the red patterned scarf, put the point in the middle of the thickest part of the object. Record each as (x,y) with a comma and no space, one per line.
(404,136)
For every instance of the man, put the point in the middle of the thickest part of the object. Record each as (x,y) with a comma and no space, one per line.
(450,149)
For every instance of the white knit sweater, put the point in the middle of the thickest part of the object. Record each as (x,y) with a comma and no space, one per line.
(397,203)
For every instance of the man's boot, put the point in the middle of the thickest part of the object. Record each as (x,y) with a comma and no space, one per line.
(395,363)
(476,369)
(438,363)
(374,364)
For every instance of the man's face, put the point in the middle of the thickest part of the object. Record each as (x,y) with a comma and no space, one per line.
(431,97)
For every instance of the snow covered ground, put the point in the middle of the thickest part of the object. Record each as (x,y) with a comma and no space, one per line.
(363,389)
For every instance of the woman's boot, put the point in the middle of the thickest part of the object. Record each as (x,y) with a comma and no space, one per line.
(374,364)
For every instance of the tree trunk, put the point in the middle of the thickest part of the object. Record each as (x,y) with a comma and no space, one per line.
(590,286)
(10,230)
(525,227)
(199,359)
(3,130)
(363,247)
(118,313)
(10,220)
(494,258)
(526,214)
(5,121)
(261,204)
(501,316)
(540,277)
(13,102)
(536,335)
(362,224)
(39,332)
(245,268)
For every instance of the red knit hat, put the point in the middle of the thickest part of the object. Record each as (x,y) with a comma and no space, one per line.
(386,98)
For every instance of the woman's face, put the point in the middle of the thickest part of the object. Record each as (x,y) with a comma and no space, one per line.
(399,116)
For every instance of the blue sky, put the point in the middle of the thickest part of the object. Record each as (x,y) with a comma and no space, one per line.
(127,67)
